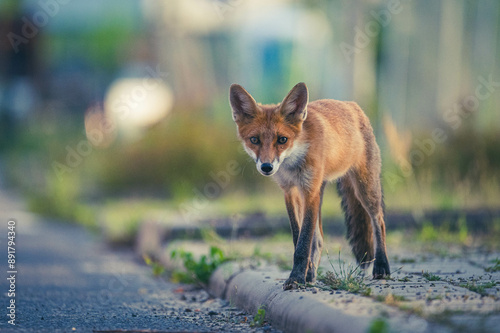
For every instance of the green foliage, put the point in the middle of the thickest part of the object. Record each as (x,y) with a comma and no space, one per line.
(399,298)
(495,267)
(61,200)
(428,233)
(349,281)
(461,172)
(379,325)
(433,298)
(198,271)
(179,156)
(445,233)
(156,267)
(259,318)
(463,232)
(349,278)
(47,192)
(431,277)
(120,219)
(390,299)
(284,263)
(210,236)
(258,254)
(468,156)
(479,288)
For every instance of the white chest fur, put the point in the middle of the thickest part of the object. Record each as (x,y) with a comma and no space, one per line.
(293,170)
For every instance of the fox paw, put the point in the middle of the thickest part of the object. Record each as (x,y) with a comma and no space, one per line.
(381,270)
(293,283)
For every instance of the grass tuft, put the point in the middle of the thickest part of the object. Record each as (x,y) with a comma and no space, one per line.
(479,288)
(431,277)
(348,277)
(495,267)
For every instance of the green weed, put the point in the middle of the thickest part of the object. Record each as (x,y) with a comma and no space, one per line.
(379,325)
(259,318)
(479,288)
(431,277)
(432,298)
(495,267)
(349,278)
(399,298)
(258,254)
(445,233)
(198,271)
(428,233)
(210,236)
(60,200)
(156,267)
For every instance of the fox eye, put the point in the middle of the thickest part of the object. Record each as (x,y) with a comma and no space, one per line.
(254,140)
(282,140)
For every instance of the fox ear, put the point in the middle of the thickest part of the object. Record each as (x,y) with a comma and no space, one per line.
(294,106)
(242,103)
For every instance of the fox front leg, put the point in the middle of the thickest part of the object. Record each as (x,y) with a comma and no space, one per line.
(315,258)
(294,204)
(301,257)
(317,243)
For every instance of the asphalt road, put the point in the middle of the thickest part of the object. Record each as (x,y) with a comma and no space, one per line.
(68,281)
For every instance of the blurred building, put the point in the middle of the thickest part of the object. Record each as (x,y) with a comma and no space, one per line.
(414,60)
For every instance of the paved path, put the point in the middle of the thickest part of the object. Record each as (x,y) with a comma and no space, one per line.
(66,281)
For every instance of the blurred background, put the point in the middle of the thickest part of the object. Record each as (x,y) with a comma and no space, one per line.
(113,111)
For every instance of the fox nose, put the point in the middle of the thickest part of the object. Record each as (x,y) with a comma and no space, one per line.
(266,167)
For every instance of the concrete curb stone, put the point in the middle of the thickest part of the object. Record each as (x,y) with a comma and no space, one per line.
(307,310)
(315,310)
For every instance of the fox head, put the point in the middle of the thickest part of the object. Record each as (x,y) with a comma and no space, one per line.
(268,132)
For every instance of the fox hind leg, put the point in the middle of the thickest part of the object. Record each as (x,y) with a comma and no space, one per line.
(368,191)
(359,227)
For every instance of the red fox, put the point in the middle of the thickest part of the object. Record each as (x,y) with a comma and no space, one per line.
(303,146)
